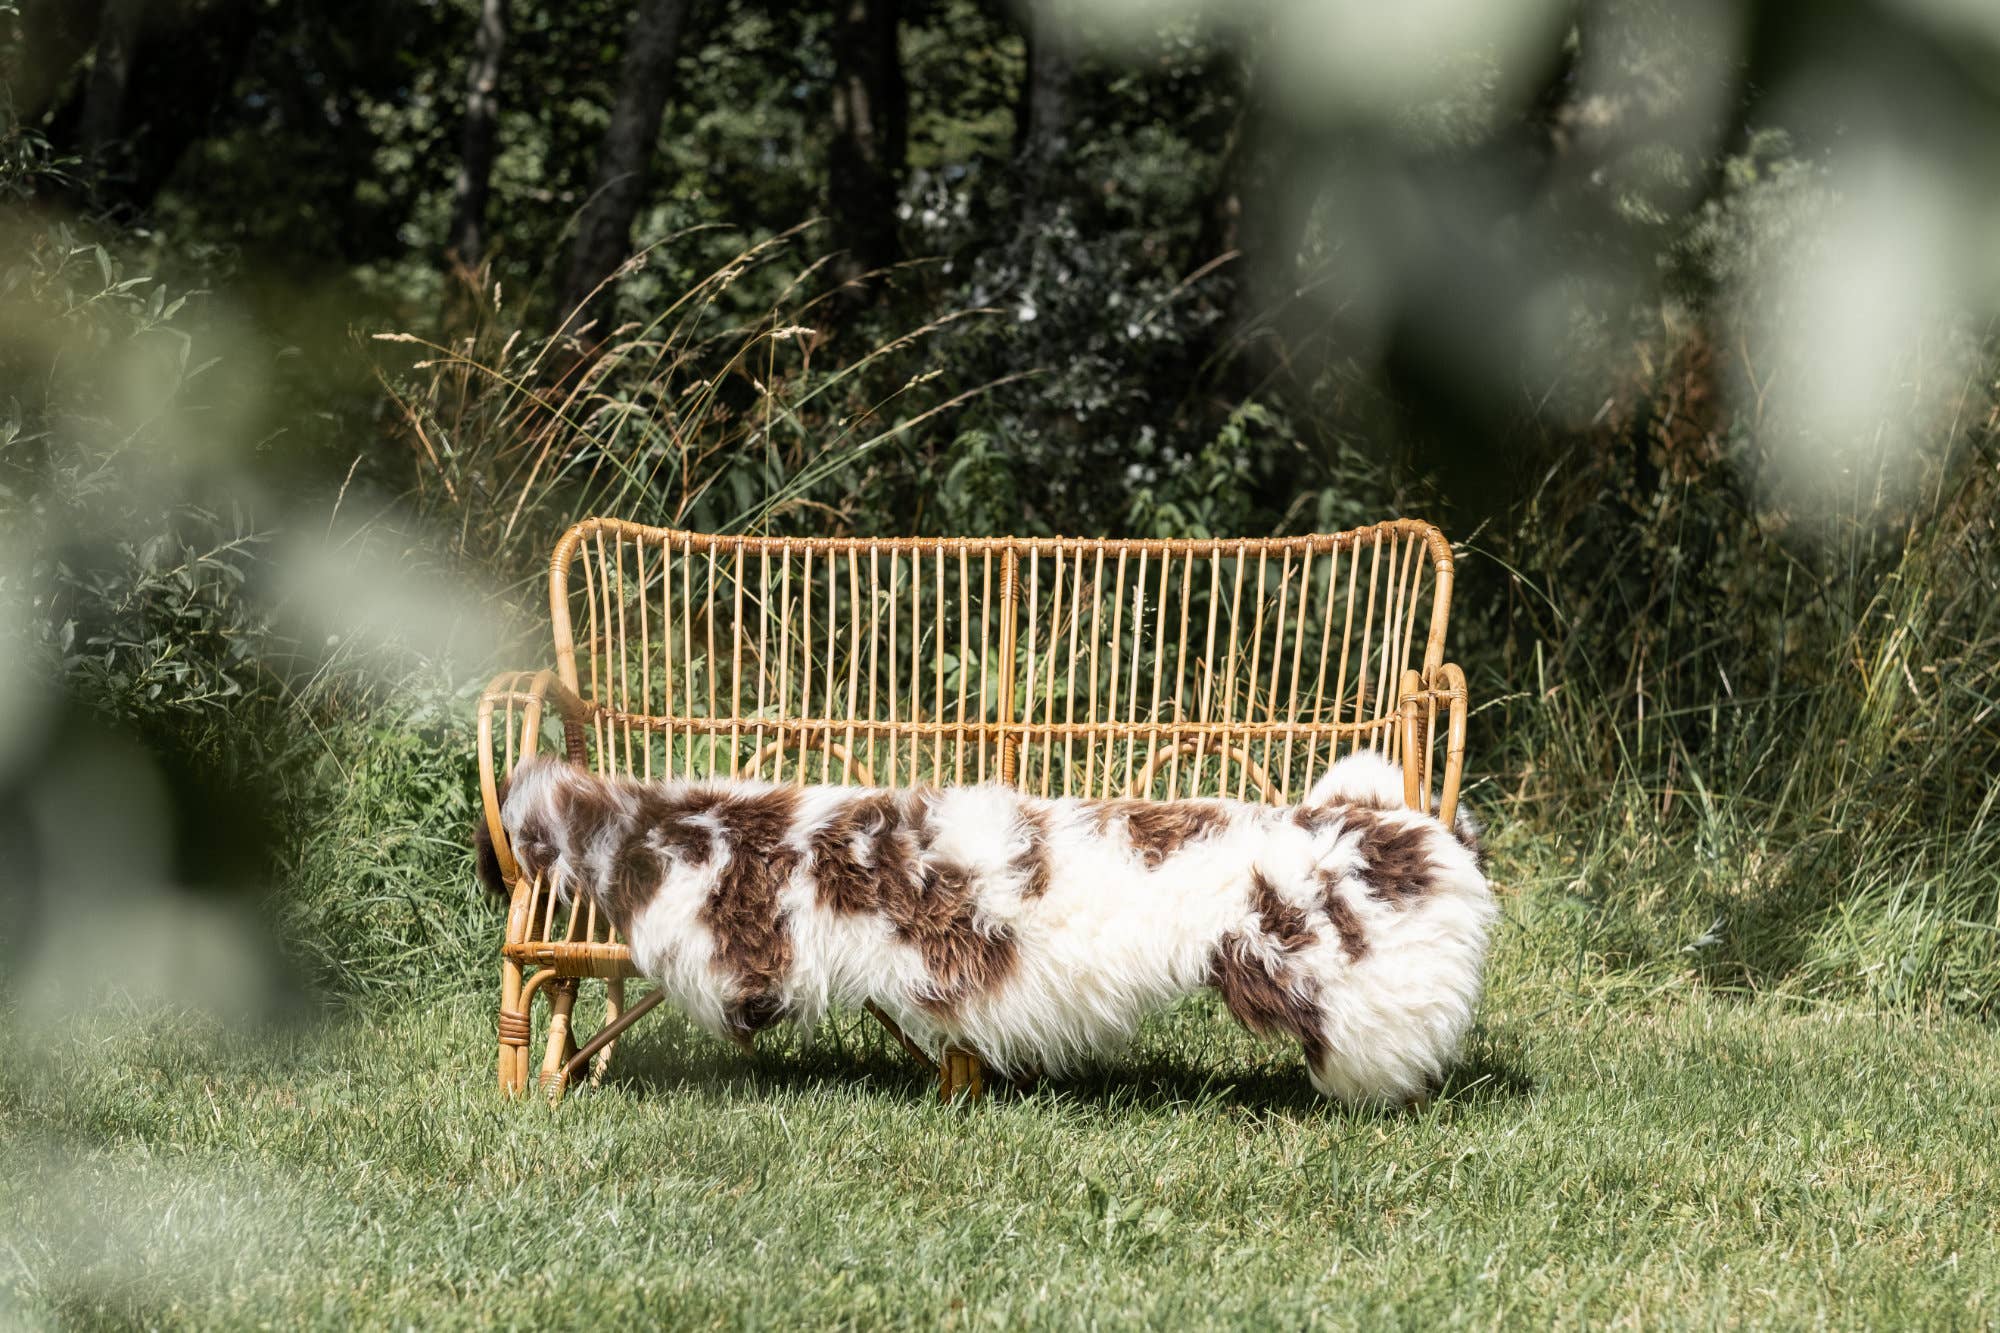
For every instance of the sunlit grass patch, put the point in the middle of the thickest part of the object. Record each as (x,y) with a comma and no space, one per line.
(1660,1154)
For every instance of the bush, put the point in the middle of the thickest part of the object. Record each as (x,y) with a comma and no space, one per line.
(379,898)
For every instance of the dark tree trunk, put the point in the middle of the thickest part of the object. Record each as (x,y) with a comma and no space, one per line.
(1259,211)
(467,239)
(1221,230)
(1042,115)
(870,134)
(624,163)
(180,75)
(55,34)
(110,75)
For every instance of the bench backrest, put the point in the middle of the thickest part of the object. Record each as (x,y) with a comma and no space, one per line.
(1063,666)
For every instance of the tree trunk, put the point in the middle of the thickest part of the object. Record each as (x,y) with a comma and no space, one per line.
(110,74)
(870,134)
(1256,212)
(1221,230)
(466,241)
(55,36)
(1042,115)
(178,80)
(624,163)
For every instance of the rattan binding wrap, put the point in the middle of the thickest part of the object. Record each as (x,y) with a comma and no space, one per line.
(1062,666)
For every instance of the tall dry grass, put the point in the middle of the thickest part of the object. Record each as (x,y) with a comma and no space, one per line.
(1751,750)
(738,405)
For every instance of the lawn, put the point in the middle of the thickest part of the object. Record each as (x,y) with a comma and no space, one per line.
(1611,1151)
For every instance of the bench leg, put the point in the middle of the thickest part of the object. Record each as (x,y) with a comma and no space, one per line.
(513,1032)
(960,1075)
(914,1051)
(561,1043)
(608,1034)
(614,1005)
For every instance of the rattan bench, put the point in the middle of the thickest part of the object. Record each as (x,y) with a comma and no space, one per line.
(1062,666)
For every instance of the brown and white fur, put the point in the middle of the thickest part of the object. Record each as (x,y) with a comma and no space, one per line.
(1036,932)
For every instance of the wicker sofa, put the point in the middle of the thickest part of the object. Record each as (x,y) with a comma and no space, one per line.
(1063,666)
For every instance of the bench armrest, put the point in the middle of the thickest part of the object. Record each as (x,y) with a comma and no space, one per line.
(518,700)
(1421,703)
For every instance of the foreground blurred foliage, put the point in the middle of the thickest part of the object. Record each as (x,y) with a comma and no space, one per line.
(278,482)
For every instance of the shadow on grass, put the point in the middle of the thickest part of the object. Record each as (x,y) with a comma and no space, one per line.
(1155,1085)
(678,1061)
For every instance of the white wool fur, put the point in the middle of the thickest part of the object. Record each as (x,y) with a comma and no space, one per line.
(1111,939)
(1366,777)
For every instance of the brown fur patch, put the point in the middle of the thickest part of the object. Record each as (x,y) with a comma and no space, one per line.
(1282,921)
(963,959)
(873,855)
(1396,860)
(659,836)
(1395,853)
(914,806)
(486,859)
(1158,829)
(535,848)
(1269,997)
(587,810)
(753,942)
(941,918)
(1031,863)
(667,815)
(1314,818)
(1101,813)
(847,880)
(1347,922)
(635,877)
(1267,1000)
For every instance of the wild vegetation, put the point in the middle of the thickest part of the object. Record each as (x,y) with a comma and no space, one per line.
(318,322)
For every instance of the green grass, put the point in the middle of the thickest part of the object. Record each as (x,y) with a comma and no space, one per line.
(1657,1153)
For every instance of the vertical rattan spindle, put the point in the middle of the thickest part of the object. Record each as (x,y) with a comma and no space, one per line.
(1132,670)
(985,655)
(894,732)
(853,658)
(1367,629)
(874,639)
(687,651)
(1069,678)
(1009,587)
(964,661)
(736,664)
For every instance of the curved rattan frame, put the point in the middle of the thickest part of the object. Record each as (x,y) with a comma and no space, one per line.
(679,653)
